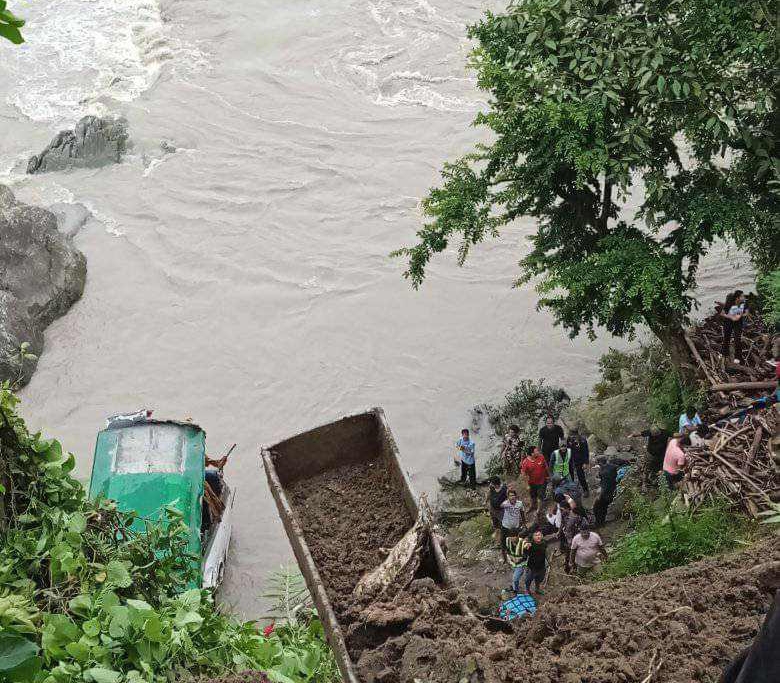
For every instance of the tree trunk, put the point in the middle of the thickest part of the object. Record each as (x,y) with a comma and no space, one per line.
(672,336)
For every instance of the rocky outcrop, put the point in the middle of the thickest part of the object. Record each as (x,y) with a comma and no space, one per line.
(41,276)
(93,142)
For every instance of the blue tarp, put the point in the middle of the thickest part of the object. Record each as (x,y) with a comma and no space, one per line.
(518,606)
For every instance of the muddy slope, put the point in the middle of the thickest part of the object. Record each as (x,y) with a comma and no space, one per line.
(691,619)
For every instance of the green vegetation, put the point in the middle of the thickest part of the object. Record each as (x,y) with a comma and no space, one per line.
(647,372)
(526,406)
(769,287)
(664,536)
(85,599)
(589,99)
(10,25)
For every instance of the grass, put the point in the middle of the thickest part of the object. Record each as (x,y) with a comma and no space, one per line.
(471,537)
(664,536)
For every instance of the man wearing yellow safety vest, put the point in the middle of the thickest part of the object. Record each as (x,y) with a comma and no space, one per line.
(514,546)
(560,463)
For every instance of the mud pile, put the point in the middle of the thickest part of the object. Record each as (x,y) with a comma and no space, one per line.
(688,622)
(685,623)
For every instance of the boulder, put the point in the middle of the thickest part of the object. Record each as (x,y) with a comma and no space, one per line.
(93,142)
(41,276)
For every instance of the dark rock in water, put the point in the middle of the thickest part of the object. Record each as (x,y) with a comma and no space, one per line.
(41,276)
(70,217)
(93,142)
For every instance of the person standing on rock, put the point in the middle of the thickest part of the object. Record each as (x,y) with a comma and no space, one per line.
(537,473)
(497,493)
(674,460)
(586,548)
(468,462)
(512,519)
(657,439)
(512,450)
(560,463)
(580,458)
(550,437)
(535,555)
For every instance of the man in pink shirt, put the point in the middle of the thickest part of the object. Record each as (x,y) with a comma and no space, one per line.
(674,460)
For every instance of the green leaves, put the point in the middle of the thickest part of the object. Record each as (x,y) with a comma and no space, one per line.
(10,25)
(590,107)
(118,574)
(18,657)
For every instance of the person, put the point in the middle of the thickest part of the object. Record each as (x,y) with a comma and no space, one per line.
(759,663)
(657,438)
(512,449)
(535,555)
(213,471)
(732,313)
(580,458)
(536,472)
(550,437)
(586,548)
(496,495)
(689,421)
(674,459)
(560,463)
(572,518)
(565,487)
(468,463)
(608,473)
(514,551)
(512,519)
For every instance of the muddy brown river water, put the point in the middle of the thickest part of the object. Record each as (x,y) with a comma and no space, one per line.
(244,279)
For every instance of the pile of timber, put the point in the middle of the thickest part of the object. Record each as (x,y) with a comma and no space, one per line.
(736,461)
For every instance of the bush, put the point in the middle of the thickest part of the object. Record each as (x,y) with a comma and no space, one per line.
(665,537)
(84,598)
(526,406)
(647,374)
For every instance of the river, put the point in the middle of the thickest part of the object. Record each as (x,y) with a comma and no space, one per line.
(244,280)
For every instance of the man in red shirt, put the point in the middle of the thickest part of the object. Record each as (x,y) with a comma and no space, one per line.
(536,472)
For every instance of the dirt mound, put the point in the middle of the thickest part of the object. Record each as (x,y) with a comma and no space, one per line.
(351,518)
(689,620)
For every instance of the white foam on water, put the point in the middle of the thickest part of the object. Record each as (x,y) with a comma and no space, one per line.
(405,56)
(80,52)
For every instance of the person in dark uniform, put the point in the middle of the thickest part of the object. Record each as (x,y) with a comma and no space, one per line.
(550,437)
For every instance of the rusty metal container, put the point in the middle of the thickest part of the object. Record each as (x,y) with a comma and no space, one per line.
(355,438)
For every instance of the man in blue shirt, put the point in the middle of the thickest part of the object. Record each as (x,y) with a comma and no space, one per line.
(689,421)
(468,464)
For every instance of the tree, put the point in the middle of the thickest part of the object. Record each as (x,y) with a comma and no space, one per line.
(593,101)
(10,25)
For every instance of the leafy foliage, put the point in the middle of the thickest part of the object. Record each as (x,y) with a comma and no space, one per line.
(589,99)
(526,406)
(10,25)
(769,286)
(665,536)
(86,598)
(648,371)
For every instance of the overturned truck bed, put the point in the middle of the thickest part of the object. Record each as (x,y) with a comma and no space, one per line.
(359,538)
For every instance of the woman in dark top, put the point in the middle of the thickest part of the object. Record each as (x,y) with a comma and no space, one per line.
(550,437)
(732,313)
